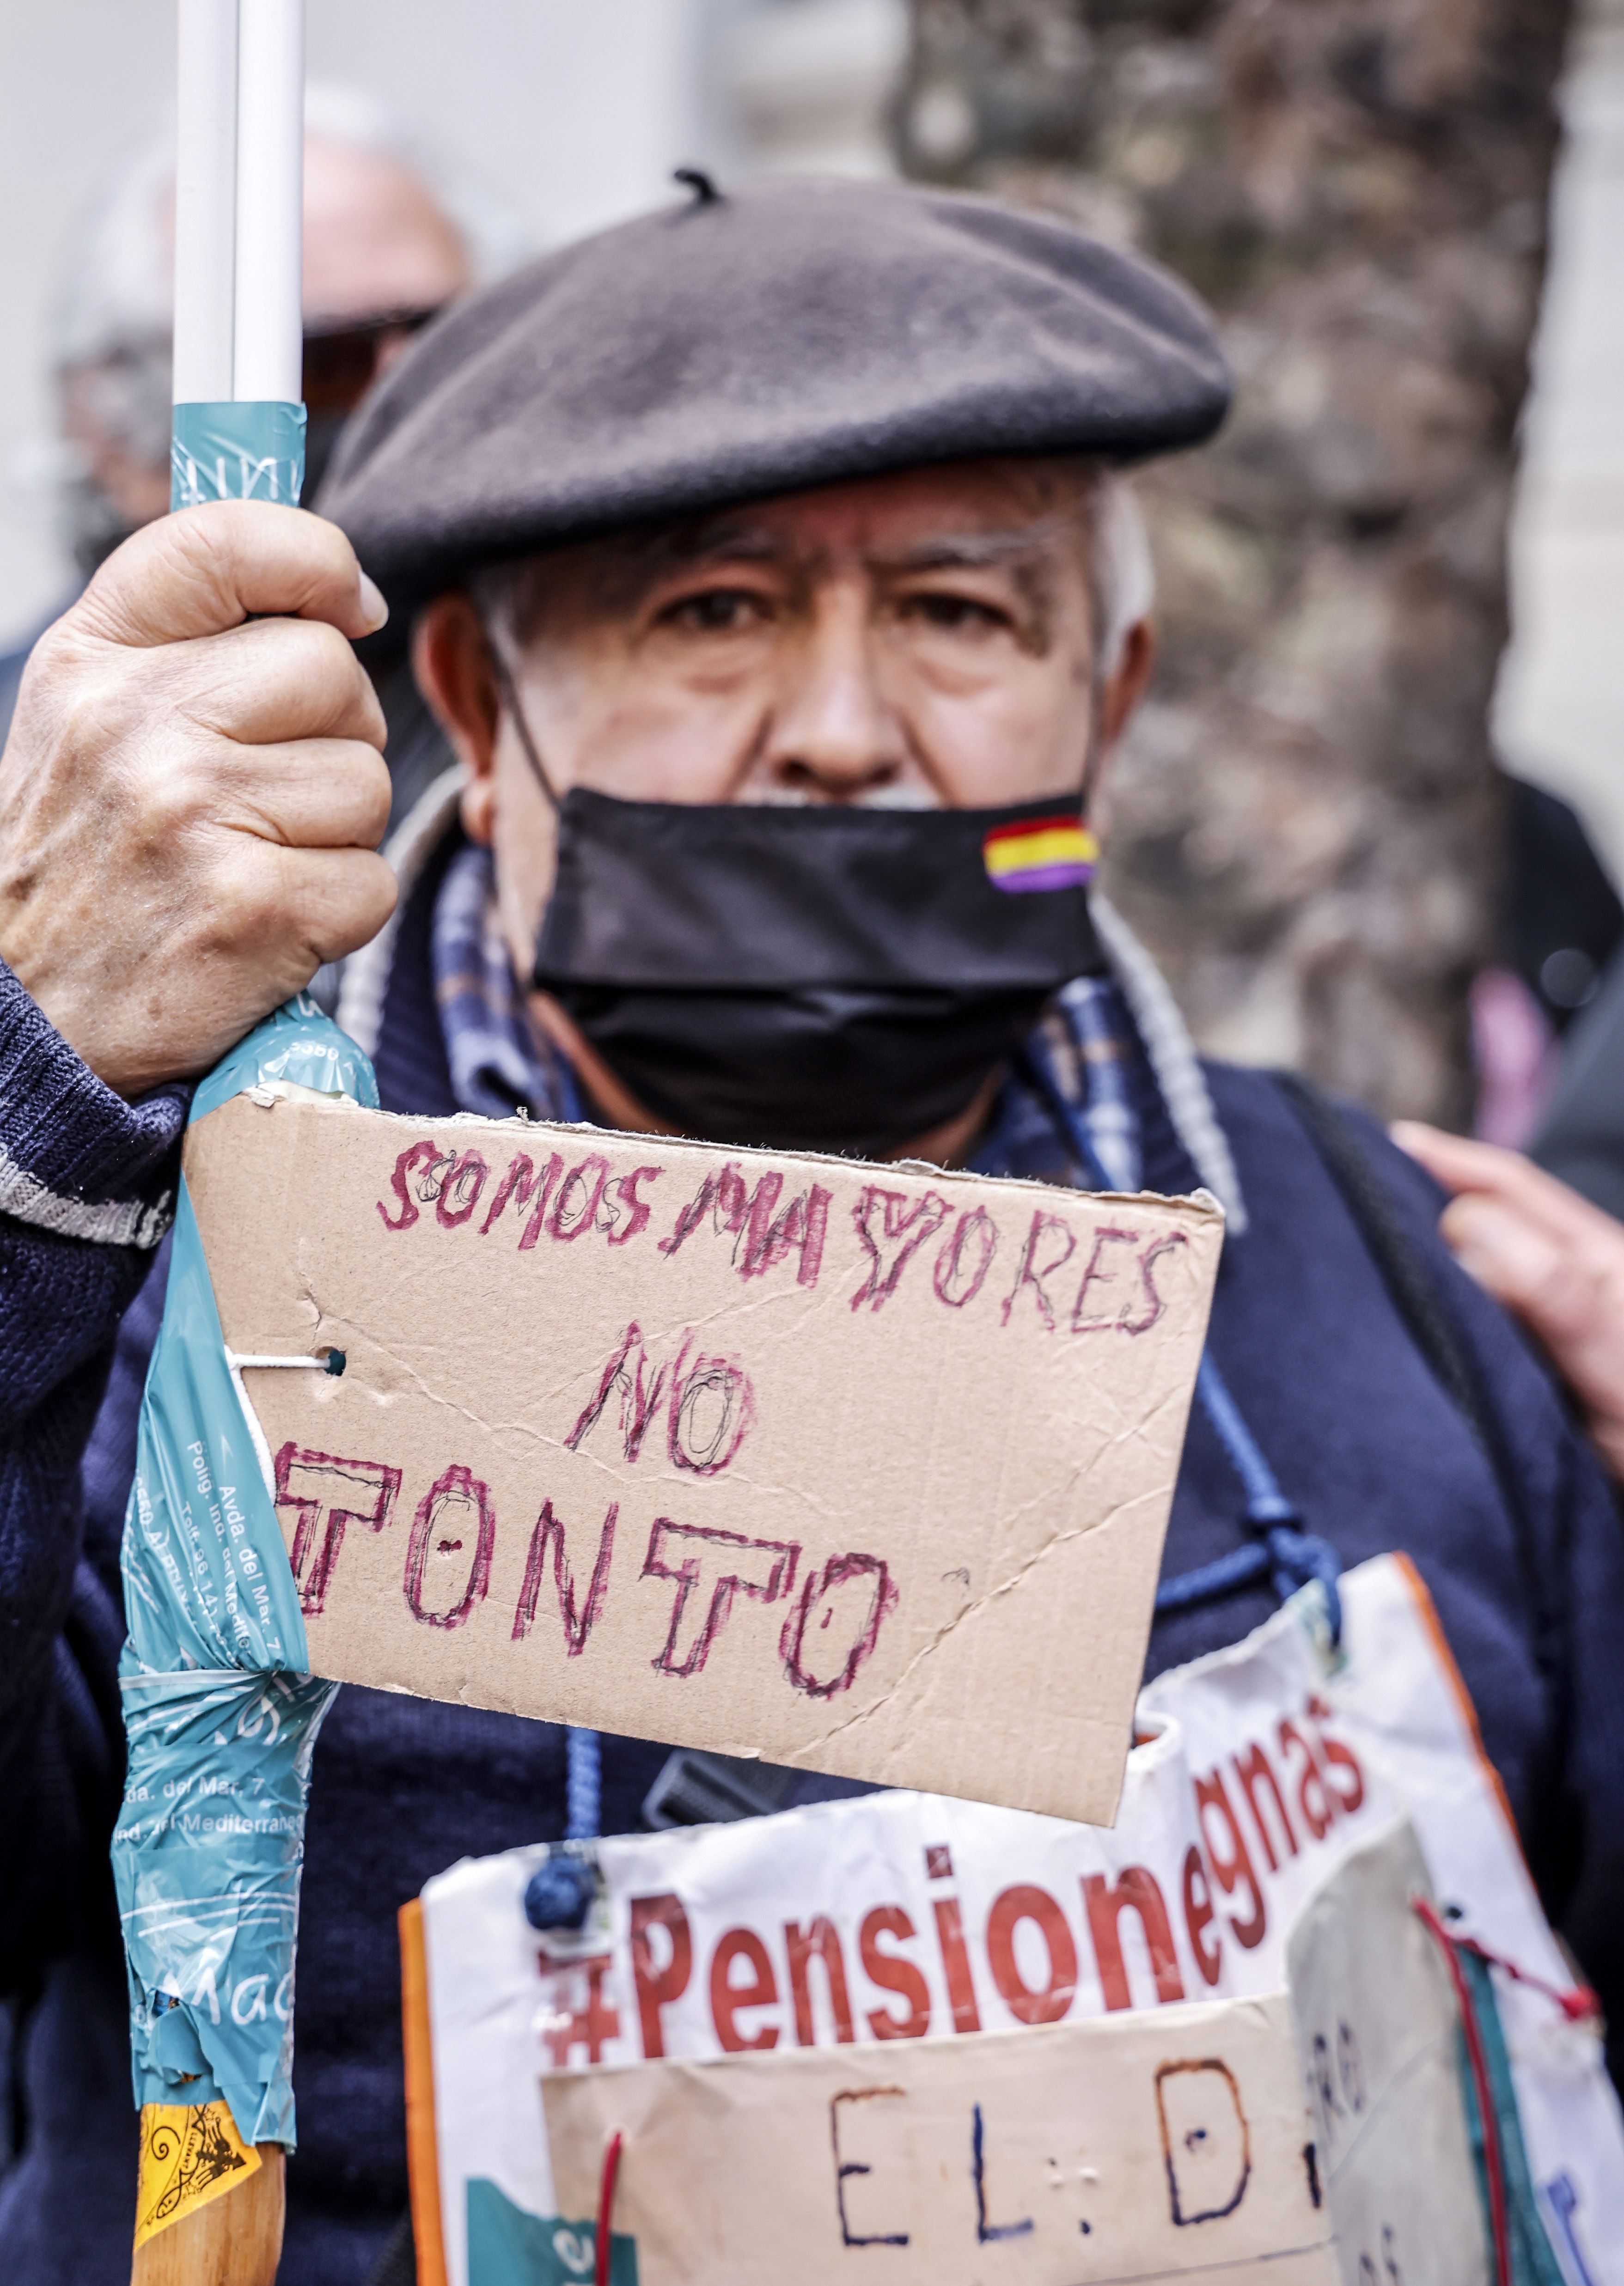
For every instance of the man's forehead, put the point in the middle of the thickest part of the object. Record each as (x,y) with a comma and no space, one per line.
(987,515)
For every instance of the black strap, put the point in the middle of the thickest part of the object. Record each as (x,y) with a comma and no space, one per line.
(397,2266)
(1414,1295)
(702,1789)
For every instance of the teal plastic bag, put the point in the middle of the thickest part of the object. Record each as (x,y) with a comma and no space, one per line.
(220,1713)
(507,2247)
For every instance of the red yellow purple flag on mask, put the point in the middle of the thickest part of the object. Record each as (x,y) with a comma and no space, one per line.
(1040,853)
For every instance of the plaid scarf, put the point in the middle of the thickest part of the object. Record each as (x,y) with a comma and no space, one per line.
(1087,1047)
(500,1062)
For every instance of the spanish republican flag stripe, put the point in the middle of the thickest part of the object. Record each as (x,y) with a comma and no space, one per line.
(1050,853)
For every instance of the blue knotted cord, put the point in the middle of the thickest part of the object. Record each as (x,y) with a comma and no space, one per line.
(559,1895)
(1281,1551)
(583,1750)
(583,1786)
(1284,1551)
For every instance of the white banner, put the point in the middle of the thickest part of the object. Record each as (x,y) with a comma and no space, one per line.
(905,1916)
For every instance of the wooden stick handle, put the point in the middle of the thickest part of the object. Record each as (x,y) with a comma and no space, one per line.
(209,2209)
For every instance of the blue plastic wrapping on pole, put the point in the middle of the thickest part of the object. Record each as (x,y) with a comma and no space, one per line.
(220,1713)
(249,451)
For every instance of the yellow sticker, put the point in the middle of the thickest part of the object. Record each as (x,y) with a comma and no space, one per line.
(190,2153)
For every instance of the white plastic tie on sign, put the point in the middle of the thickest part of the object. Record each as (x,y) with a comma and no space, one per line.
(234,1363)
(239,1360)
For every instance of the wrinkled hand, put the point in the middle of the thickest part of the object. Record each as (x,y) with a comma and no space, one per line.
(191,801)
(1548,1255)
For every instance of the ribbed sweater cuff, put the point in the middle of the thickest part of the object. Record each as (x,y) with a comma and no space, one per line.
(74,1158)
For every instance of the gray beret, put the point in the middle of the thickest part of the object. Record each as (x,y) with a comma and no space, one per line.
(792,334)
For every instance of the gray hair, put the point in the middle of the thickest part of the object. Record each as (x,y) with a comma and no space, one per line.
(1122,575)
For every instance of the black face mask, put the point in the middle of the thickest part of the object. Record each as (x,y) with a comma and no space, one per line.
(827,978)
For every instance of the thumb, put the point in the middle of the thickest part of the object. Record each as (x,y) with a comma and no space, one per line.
(203,570)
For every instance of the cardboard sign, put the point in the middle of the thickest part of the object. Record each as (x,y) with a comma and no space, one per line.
(861,1469)
(1138,2146)
(1378,2035)
(1176,2144)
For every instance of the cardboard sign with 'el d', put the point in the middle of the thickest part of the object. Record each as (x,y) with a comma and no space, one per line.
(860,1469)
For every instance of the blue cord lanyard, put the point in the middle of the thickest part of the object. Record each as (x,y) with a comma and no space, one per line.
(583,1784)
(583,1749)
(1279,1547)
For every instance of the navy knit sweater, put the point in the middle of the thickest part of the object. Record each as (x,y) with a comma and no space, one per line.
(1345,1407)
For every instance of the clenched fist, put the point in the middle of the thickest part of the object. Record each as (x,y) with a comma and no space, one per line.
(192,796)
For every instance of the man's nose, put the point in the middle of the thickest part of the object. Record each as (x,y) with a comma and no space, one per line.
(833,737)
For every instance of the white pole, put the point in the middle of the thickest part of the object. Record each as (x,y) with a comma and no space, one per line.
(268,352)
(206,201)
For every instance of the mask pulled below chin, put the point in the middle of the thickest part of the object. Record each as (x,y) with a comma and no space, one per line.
(820,979)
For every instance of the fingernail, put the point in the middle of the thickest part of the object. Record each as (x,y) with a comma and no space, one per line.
(1415,1137)
(373,604)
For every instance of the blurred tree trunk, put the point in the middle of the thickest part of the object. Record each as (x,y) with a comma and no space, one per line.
(1304,821)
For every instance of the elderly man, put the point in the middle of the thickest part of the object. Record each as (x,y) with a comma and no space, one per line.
(777,589)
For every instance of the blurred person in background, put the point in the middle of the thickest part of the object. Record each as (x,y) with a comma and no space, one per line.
(1558,923)
(1548,1023)
(391,235)
(1581,1137)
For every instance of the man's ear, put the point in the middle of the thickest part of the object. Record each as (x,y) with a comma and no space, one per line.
(450,658)
(1127,683)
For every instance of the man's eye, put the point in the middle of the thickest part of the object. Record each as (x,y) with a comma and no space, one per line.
(717,611)
(957,614)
